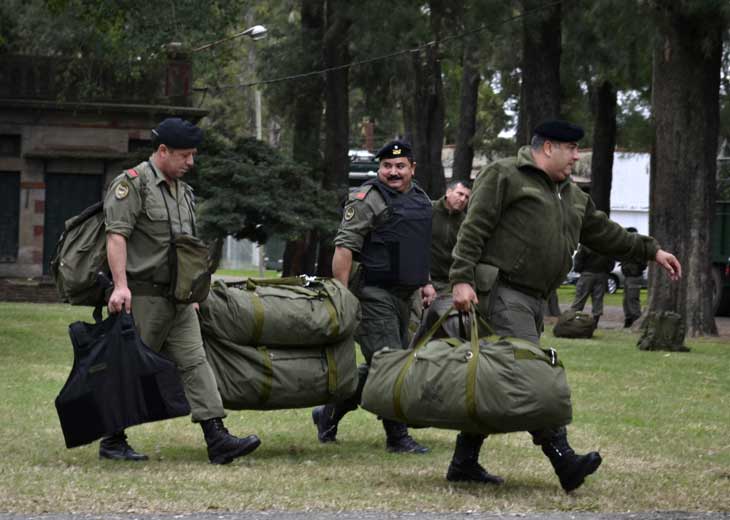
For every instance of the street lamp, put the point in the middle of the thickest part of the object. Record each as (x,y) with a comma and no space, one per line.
(255,33)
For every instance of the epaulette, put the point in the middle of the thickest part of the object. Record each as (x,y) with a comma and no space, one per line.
(131,173)
(361,192)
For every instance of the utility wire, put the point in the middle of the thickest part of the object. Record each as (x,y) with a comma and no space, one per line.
(366,61)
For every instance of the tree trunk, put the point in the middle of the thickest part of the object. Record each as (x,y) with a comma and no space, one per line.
(470,78)
(604,144)
(299,254)
(337,115)
(541,48)
(428,121)
(687,58)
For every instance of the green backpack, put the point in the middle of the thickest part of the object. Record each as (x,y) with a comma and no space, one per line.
(79,265)
(574,324)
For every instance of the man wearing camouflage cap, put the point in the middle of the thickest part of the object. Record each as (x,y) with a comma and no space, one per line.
(144,209)
(384,241)
(525,220)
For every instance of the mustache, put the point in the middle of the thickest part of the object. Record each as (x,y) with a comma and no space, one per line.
(394,177)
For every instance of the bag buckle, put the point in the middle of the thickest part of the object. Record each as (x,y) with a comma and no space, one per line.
(553,356)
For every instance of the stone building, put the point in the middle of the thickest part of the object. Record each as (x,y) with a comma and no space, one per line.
(56,157)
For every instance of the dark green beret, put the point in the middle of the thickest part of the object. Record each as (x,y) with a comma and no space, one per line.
(177,133)
(559,130)
(394,150)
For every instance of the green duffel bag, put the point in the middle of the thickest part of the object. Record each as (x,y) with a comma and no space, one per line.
(574,324)
(259,378)
(477,386)
(292,312)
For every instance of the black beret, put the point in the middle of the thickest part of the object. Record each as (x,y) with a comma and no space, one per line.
(395,149)
(177,133)
(559,130)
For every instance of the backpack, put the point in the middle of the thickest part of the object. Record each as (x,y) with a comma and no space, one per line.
(574,324)
(79,265)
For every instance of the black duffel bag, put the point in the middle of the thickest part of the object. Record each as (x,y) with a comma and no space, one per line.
(116,381)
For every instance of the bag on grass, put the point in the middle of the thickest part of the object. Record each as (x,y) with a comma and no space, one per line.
(116,381)
(477,386)
(291,312)
(574,324)
(260,378)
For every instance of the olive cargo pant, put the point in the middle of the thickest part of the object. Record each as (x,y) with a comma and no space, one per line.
(173,330)
(593,284)
(512,313)
(632,301)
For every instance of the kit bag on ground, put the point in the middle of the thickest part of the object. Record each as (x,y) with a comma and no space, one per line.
(80,258)
(116,381)
(477,386)
(263,378)
(574,324)
(289,312)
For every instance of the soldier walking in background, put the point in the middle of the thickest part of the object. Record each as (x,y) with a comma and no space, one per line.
(525,220)
(593,268)
(382,253)
(144,209)
(633,277)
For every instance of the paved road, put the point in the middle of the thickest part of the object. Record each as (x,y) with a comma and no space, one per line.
(369,515)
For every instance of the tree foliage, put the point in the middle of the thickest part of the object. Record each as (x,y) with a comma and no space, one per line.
(248,190)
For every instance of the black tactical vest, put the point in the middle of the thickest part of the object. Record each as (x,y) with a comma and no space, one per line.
(398,251)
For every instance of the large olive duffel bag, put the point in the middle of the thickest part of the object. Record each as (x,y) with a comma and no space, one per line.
(260,378)
(477,386)
(290,312)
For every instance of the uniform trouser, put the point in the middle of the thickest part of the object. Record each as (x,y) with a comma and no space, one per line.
(385,318)
(173,330)
(632,295)
(593,285)
(512,313)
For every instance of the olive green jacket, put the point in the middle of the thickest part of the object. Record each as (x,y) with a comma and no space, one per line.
(444,228)
(523,228)
(135,209)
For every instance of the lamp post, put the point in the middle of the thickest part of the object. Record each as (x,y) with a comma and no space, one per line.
(255,33)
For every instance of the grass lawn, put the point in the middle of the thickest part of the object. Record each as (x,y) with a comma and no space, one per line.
(660,420)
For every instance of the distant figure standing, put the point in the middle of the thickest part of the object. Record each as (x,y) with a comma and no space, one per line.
(633,272)
(593,268)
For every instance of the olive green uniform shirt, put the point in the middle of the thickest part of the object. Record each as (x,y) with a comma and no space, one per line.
(444,230)
(134,208)
(364,210)
(527,227)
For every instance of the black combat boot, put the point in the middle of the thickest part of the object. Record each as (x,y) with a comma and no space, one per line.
(397,439)
(224,447)
(571,469)
(465,465)
(116,447)
(326,418)
(596,319)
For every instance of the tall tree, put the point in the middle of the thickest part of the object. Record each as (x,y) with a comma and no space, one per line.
(541,48)
(687,58)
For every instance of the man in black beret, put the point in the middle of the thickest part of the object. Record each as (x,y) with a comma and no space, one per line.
(382,253)
(524,222)
(144,208)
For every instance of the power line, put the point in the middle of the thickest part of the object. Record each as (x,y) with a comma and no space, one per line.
(366,61)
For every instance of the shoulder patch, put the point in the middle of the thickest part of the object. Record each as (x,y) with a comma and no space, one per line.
(121,191)
(349,213)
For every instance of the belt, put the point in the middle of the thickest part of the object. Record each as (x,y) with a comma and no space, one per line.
(139,288)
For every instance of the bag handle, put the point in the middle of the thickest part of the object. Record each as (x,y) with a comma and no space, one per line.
(475,318)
